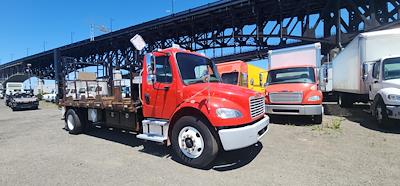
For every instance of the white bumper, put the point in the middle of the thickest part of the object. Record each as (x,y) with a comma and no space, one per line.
(303,110)
(393,112)
(236,138)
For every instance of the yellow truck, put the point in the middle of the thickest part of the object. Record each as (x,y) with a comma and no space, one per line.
(243,74)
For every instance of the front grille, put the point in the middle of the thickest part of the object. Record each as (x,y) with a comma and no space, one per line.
(286,97)
(257,106)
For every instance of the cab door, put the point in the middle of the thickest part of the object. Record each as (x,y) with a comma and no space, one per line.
(159,90)
(375,84)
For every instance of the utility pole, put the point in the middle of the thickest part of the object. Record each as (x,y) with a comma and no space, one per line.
(111,24)
(12,56)
(30,74)
(172,3)
(44,46)
(72,37)
(27,52)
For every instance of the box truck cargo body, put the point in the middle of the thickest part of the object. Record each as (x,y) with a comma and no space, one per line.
(359,72)
(292,83)
(367,47)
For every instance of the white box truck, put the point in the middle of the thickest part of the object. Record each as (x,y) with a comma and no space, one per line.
(11,89)
(368,70)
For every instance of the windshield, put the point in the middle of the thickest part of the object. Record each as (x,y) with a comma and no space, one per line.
(391,68)
(291,75)
(230,78)
(195,68)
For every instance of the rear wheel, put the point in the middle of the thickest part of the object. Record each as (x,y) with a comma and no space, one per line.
(193,142)
(73,122)
(344,101)
(317,119)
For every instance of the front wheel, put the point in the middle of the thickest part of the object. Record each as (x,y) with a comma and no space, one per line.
(381,114)
(193,142)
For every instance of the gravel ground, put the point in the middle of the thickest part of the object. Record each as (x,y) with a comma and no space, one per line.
(348,149)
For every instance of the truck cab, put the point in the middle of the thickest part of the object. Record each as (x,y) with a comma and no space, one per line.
(243,74)
(178,82)
(292,82)
(383,83)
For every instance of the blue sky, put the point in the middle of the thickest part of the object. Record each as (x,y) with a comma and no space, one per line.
(30,24)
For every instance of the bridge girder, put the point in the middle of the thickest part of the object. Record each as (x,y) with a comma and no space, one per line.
(242,28)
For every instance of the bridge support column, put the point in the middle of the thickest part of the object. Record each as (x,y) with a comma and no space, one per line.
(58,76)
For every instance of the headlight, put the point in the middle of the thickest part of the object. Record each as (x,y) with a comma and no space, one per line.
(314,98)
(226,113)
(393,97)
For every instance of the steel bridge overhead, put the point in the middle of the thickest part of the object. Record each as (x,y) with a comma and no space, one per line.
(225,30)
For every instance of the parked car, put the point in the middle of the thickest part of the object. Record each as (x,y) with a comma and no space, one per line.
(19,101)
(49,97)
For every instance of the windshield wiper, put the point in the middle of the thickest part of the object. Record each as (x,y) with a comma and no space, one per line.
(200,81)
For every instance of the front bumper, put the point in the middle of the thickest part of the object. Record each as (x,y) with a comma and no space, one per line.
(236,138)
(26,105)
(308,110)
(393,112)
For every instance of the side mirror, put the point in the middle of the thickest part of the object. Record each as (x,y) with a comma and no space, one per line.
(365,71)
(151,67)
(365,76)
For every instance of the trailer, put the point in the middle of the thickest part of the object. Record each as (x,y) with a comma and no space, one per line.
(368,70)
(292,83)
(177,99)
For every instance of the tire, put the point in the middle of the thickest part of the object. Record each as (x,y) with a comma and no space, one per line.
(317,119)
(381,115)
(344,101)
(193,142)
(73,122)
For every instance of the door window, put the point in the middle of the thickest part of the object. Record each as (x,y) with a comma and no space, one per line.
(163,70)
(376,70)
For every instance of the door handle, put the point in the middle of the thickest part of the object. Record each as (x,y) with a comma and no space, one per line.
(147,98)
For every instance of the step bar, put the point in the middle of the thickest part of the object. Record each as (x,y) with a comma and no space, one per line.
(154,130)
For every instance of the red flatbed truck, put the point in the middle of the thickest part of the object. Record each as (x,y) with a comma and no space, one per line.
(182,103)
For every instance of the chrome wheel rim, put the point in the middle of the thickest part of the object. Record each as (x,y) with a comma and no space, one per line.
(70,122)
(190,142)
